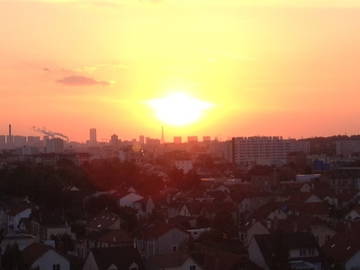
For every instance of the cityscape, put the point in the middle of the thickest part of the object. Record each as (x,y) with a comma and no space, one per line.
(179,135)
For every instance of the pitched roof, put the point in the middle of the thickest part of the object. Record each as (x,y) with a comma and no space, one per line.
(156,230)
(121,257)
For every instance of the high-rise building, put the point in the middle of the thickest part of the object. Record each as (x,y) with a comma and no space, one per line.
(192,139)
(177,139)
(92,138)
(264,150)
(114,140)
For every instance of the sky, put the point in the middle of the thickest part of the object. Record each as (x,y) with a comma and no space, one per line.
(274,67)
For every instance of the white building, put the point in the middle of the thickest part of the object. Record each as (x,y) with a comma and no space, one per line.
(265,150)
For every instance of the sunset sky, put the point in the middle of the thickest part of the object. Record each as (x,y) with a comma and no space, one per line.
(266,67)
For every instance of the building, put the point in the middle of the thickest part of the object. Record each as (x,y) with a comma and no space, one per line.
(172,261)
(113,258)
(286,251)
(348,147)
(162,238)
(33,140)
(177,139)
(265,150)
(19,141)
(55,145)
(42,257)
(2,140)
(206,139)
(92,138)
(192,139)
(114,140)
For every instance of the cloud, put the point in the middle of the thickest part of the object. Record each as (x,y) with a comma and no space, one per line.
(81,81)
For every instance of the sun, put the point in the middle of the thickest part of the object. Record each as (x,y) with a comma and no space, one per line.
(179,109)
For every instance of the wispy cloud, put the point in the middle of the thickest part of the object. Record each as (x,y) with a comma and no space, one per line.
(81,81)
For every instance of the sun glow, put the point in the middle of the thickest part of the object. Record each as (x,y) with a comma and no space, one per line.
(179,109)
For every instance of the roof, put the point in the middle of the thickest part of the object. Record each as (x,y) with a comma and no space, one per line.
(159,229)
(168,260)
(121,257)
(277,245)
(34,252)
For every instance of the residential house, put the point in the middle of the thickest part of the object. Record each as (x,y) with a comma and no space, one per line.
(43,257)
(113,258)
(162,238)
(286,250)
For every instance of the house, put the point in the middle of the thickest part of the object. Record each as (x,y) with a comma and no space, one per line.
(172,261)
(286,250)
(161,238)
(113,258)
(43,257)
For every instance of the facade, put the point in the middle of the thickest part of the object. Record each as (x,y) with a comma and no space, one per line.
(55,145)
(348,147)
(42,257)
(161,239)
(264,150)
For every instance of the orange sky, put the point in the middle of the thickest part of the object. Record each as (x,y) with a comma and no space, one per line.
(269,67)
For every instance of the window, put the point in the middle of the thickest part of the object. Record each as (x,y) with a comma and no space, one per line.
(174,248)
(56,266)
(192,267)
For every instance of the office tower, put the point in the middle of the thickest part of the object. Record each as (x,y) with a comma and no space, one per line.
(92,139)
(192,139)
(114,140)
(177,139)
